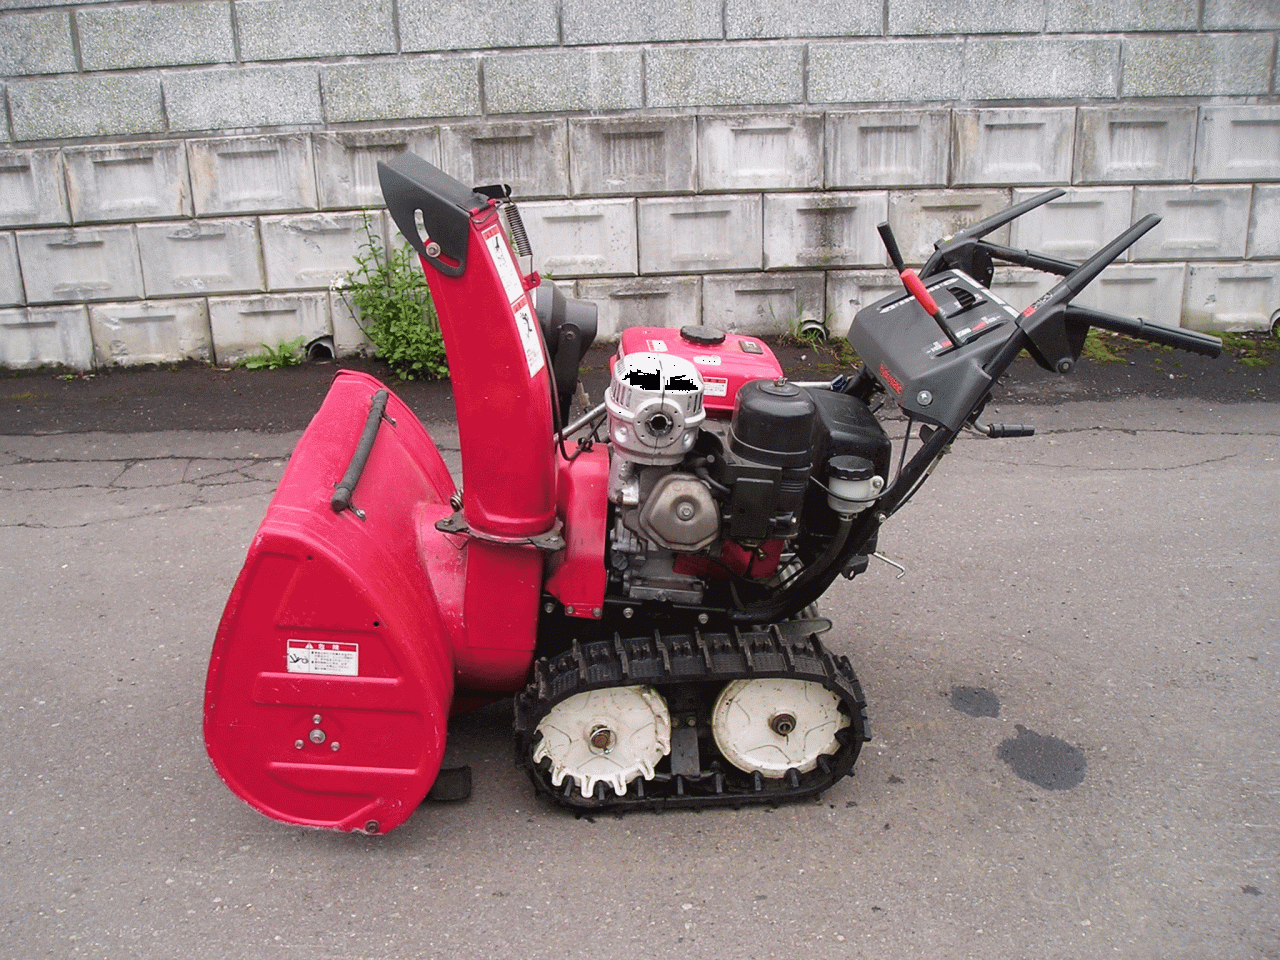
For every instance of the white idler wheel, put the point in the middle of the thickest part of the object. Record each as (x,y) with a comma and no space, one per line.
(605,736)
(771,726)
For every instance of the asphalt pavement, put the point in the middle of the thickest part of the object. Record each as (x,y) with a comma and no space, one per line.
(1073,692)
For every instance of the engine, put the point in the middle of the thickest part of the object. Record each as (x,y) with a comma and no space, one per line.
(698,499)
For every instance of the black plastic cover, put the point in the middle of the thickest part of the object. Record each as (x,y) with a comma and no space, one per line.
(411,186)
(772,423)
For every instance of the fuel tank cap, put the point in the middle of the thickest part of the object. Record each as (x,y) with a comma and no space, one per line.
(702,336)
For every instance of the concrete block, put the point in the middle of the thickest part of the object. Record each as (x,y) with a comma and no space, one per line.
(1264,224)
(251,174)
(242,325)
(1012,146)
(824,229)
(877,71)
(632,156)
(31,191)
(85,263)
(349,338)
(643,302)
(765,20)
(293,29)
(635,21)
(713,76)
(1129,144)
(154,331)
(1241,15)
(199,257)
(347,162)
(1117,16)
(700,234)
(1073,227)
(10,273)
(1021,288)
(533,157)
(1197,223)
(1239,296)
(86,105)
(934,17)
(222,98)
(156,35)
(582,238)
(1238,143)
(848,291)
(763,303)
(1049,68)
(43,336)
(1199,65)
(306,252)
(478,25)
(136,181)
(555,81)
(921,217)
(1150,291)
(888,148)
(406,87)
(760,151)
(32,43)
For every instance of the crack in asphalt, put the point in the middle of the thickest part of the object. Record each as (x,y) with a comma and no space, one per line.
(189,482)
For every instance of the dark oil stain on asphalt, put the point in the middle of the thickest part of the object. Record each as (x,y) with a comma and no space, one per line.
(975,701)
(1045,761)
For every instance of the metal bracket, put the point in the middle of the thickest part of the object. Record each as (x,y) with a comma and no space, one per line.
(550,540)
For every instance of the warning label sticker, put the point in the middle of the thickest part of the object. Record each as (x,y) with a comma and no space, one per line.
(500,254)
(331,659)
(526,324)
(657,346)
(707,360)
(528,328)
(715,386)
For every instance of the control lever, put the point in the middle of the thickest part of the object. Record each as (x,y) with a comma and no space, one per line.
(915,286)
(1001,431)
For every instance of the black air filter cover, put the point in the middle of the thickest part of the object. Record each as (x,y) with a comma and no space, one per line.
(772,424)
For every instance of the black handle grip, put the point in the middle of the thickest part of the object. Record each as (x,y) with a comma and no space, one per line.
(341,499)
(891,245)
(1189,340)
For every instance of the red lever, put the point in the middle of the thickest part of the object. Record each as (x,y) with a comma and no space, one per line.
(915,287)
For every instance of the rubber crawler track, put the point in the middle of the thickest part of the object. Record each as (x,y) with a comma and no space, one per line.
(690,670)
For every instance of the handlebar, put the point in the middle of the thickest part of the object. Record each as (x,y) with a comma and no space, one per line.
(1189,340)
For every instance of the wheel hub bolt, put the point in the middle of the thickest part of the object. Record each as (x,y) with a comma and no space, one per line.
(601,738)
(783,724)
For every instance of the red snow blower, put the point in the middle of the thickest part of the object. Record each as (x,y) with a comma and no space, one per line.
(642,578)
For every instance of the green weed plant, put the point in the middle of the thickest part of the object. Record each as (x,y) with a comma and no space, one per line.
(389,297)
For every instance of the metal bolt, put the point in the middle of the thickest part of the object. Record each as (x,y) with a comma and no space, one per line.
(548,607)
(1064,366)
(628,613)
(297,744)
(703,619)
(569,611)
(334,746)
(685,511)
(317,735)
(602,739)
(783,724)
(372,826)
(924,398)
(691,722)
(596,612)
(316,719)
(433,249)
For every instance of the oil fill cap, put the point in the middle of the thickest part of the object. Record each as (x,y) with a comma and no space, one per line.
(702,336)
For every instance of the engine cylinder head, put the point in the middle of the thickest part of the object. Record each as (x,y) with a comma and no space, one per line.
(655,408)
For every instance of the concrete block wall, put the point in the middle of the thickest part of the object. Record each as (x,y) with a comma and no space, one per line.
(186,180)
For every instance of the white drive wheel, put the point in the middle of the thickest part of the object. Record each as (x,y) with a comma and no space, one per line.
(605,736)
(774,725)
